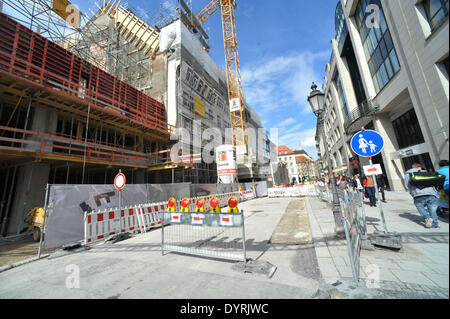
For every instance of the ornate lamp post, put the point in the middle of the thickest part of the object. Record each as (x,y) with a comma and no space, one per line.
(317,101)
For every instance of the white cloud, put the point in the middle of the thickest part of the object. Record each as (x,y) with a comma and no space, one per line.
(281,82)
(287,122)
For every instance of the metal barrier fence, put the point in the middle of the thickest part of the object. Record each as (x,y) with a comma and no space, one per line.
(324,193)
(217,235)
(352,212)
(100,224)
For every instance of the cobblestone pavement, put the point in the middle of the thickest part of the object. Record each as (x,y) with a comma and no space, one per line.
(421,267)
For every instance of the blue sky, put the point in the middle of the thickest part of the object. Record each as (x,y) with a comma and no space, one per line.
(284,45)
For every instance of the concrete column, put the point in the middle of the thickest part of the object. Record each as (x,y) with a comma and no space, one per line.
(139,176)
(394,168)
(43,121)
(29,192)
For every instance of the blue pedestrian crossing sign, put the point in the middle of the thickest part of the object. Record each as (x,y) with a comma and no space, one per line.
(367,143)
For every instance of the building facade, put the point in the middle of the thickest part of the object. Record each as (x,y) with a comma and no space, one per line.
(389,72)
(298,164)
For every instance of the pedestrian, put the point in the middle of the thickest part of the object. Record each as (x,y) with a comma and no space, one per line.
(370,189)
(425,199)
(443,169)
(342,183)
(359,186)
(381,184)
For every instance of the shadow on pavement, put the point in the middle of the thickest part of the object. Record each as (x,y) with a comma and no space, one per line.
(425,238)
(413,217)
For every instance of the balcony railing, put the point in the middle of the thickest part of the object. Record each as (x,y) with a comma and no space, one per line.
(359,116)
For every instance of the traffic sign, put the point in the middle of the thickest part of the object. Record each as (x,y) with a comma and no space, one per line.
(373,170)
(119,181)
(367,143)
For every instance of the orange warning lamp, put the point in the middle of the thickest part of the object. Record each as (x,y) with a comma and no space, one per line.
(233,204)
(171,205)
(200,205)
(214,203)
(185,205)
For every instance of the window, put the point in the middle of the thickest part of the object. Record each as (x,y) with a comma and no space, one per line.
(378,45)
(342,98)
(436,11)
(407,130)
(188,101)
(200,86)
(194,81)
(340,26)
(220,103)
(189,75)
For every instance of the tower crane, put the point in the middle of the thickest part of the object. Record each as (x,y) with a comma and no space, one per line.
(233,69)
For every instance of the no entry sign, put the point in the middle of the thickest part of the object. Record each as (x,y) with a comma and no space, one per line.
(119,181)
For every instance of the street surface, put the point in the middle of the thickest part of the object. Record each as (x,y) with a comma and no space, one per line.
(294,234)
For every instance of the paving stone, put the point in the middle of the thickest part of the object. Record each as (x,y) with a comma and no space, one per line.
(412,277)
(323,252)
(439,280)
(414,266)
(327,267)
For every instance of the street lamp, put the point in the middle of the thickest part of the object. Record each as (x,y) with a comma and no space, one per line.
(317,101)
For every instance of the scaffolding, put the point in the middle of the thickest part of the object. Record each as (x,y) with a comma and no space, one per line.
(90,37)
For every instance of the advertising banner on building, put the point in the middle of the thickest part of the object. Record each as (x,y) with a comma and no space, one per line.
(199,107)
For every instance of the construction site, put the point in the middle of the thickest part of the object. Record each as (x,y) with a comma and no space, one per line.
(86,94)
(132,166)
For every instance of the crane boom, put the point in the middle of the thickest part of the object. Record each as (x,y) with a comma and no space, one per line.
(233,69)
(209,10)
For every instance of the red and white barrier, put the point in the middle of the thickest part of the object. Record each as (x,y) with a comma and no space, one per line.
(296,191)
(149,216)
(99,225)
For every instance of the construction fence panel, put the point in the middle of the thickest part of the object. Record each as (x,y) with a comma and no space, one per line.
(217,235)
(68,204)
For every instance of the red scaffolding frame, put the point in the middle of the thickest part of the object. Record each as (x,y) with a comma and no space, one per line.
(33,59)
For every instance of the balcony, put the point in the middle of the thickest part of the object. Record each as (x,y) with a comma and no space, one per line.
(360,117)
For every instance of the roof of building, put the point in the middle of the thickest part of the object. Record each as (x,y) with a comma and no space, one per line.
(283,149)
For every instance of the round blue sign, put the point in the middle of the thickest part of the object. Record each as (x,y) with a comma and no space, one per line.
(367,143)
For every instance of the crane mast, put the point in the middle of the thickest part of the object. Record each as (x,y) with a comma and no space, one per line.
(233,69)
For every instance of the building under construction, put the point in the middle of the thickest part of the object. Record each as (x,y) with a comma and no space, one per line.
(82,97)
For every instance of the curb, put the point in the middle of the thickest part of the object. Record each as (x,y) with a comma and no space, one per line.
(20,263)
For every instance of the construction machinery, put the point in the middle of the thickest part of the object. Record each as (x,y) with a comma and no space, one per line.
(233,69)
(35,220)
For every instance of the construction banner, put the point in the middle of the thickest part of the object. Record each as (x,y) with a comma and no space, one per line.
(68,12)
(199,107)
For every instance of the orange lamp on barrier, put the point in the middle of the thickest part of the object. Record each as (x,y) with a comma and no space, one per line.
(214,203)
(200,205)
(233,204)
(185,205)
(171,205)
